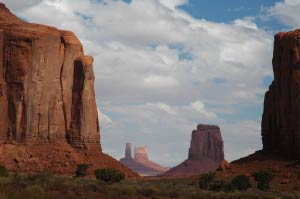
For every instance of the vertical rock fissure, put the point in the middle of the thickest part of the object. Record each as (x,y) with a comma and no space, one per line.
(62,89)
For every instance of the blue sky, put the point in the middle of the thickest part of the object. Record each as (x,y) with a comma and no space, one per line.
(225,11)
(229,10)
(162,66)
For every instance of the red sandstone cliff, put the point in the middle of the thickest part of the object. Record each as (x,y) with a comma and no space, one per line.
(281,116)
(205,154)
(48,117)
(140,163)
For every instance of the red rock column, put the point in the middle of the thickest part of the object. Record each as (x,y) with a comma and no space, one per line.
(128,151)
(84,131)
(207,142)
(72,49)
(281,116)
(4,119)
(141,154)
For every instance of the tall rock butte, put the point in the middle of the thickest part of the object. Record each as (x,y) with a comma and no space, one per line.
(48,117)
(281,116)
(140,163)
(206,152)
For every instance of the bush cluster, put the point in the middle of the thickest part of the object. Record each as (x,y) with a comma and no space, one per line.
(207,182)
(3,171)
(241,182)
(82,170)
(263,179)
(206,179)
(109,175)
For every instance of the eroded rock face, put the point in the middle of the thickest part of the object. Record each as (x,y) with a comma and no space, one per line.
(205,154)
(140,154)
(206,142)
(47,85)
(281,116)
(48,117)
(128,151)
(140,163)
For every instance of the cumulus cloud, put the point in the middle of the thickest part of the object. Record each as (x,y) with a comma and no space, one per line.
(104,120)
(247,22)
(164,107)
(20,5)
(160,81)
(286,12)
(238,136)
(200,107)
(165,128)
(173,3)
(156,66)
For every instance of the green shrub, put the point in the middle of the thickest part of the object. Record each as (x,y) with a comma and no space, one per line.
(221,185)
(206,179)
(174,194)
(109,175)
(82,170)
(3,171)
(263,179)
(146,192)
(229,187)
(241,182)
(217,185)
(36,192)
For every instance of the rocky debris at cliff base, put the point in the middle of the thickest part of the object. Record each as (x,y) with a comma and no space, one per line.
(140,163)
(224,165)
(206,152)
(62,159)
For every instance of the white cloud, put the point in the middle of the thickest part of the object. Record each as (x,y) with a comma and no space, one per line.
(247,22)
(160,81)
(164,107)
(162,127)
(156,65)
(287,12)
(104,120)
(173,3)
(200,107)
(20,5)
(241,138)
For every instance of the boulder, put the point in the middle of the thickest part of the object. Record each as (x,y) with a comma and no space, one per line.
(224,165)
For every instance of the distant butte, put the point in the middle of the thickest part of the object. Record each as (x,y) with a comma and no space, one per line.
(205,154)
(140,163)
